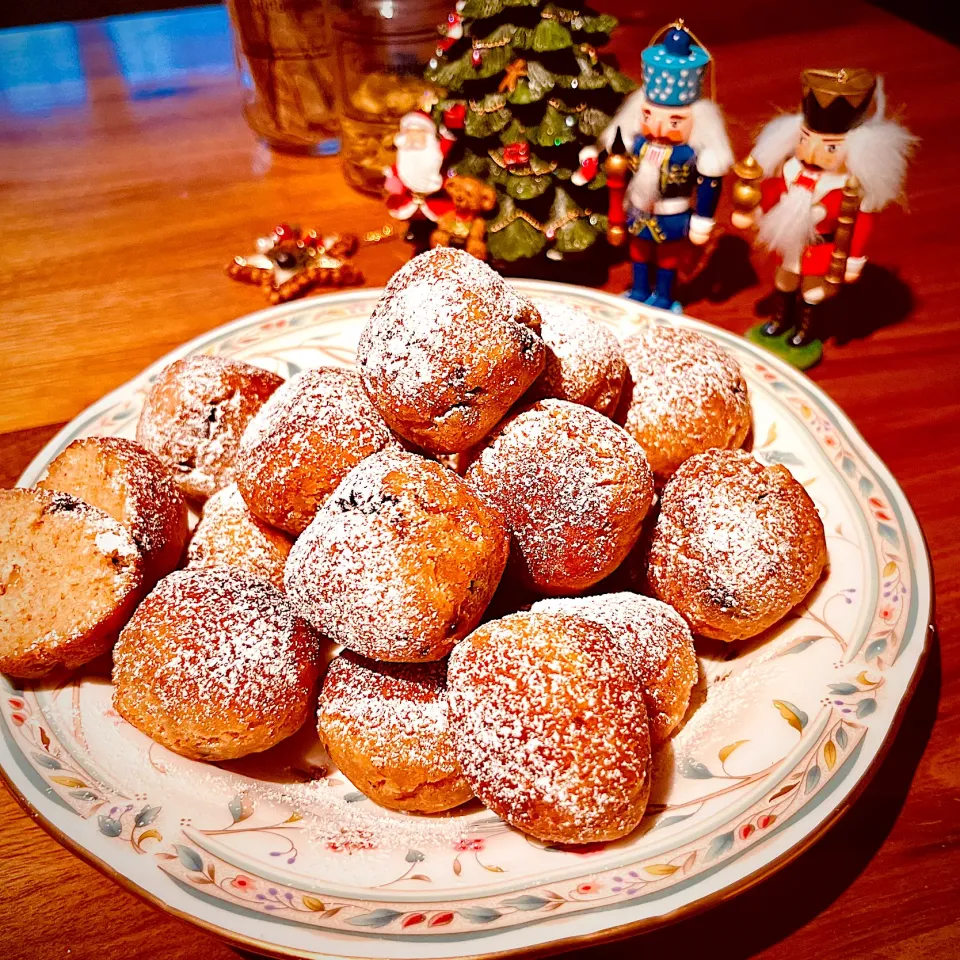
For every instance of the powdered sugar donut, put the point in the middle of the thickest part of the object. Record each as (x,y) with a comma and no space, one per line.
(448,350)
(228,534)
(70,576)
(549,728)
(128,482)
(574,489)
(656,644)
(400,563)
(214,665)
(385,727)
(684,395)
(584,360)
(303,442)
(736,545)
(195,413)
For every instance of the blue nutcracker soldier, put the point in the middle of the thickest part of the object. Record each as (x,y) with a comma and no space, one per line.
(679,153)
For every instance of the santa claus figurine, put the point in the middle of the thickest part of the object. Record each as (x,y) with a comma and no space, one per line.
(824,174)
(678,151)
(414,184)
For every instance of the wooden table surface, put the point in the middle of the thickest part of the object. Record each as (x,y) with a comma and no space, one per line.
(127,181)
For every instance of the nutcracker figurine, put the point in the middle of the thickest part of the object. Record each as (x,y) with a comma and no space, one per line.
(679,152)
(818,178)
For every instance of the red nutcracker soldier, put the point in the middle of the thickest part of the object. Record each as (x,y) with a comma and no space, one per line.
(679,153)
(414,184)
(823,176)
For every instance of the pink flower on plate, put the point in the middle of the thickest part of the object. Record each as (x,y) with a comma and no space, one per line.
(240,882)
(463,846)
(588,889)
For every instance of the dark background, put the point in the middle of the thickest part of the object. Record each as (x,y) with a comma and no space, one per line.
(711,18)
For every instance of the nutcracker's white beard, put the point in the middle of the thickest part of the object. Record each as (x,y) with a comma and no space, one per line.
(419,169)
(789,226)
(643,191)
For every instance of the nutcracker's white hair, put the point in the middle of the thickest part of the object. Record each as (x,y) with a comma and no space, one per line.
(627,120)
(777,142)
(708,138)
(877,155)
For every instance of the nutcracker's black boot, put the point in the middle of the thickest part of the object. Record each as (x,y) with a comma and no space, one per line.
(807,325)
(784,309)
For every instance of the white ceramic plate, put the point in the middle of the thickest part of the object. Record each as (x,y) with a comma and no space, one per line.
(281,854)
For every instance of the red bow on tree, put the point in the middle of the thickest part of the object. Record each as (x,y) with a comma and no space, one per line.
(454,117)
(515,154)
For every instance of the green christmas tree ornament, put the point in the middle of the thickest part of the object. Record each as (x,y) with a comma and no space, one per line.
(524,91)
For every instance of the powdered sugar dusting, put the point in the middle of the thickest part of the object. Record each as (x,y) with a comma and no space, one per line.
(153,507)
(154,502)
(725,700)
(109,541)
(212,640)
(361,590)
(229,534)
(684,394)
(550,729)
(196,412)
(448,337)
(394,714)
(38,527)
(330,822)
(735,540)
(656,643)
(387,569)
(304,441)
(573,487)
(110,537)
(325,405)
(422,319)
(584,360)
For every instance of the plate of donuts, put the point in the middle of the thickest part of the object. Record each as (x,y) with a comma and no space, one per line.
(455,619)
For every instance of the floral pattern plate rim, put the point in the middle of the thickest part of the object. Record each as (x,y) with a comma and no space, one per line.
(783,733)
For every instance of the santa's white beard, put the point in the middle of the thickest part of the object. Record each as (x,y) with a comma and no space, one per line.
(789,226)
(643,191)
(419,169)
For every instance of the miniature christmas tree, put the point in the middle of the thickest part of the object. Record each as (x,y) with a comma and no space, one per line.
(525,92)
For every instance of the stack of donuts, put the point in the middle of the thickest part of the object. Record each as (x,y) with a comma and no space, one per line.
(510,524)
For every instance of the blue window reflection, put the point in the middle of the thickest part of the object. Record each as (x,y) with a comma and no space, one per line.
(157,53)
(40,69)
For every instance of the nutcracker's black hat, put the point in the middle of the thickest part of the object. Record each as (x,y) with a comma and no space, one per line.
(835,101)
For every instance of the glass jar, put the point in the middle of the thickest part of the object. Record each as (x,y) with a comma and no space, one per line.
(288,68)
(382,48)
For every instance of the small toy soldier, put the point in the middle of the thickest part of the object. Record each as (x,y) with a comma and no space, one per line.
(823,175)
(679,153)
